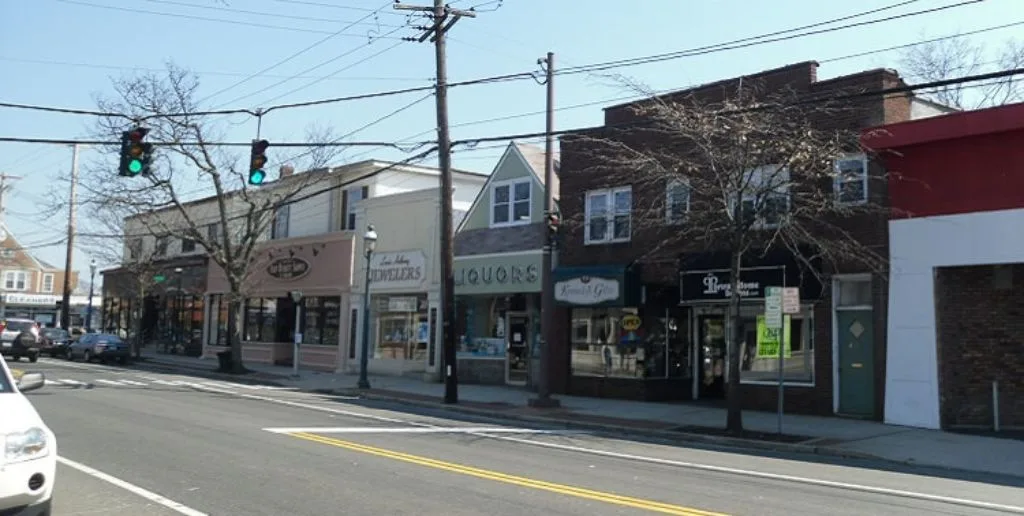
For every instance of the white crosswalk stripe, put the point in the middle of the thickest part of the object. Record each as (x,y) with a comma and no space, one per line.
(153,382)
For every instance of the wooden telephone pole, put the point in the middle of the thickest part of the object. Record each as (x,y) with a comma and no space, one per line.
(442,18)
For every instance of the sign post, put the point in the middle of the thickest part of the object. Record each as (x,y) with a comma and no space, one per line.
(773,321)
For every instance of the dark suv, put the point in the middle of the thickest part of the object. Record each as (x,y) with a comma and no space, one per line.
(14,345)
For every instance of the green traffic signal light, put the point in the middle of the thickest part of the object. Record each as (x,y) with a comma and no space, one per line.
(256,177)
(135,166)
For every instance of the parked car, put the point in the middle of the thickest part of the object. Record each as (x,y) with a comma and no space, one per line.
(101,346)
(54,341)
(28,465)
(16,345)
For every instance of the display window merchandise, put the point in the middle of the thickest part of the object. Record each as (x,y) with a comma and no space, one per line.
(401,326)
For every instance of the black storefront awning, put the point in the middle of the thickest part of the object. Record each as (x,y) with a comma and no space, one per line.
(705,277)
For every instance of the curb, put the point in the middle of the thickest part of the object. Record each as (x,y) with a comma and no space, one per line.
(625,431)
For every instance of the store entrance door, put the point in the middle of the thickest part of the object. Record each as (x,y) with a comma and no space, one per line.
(517,361)
(712,356)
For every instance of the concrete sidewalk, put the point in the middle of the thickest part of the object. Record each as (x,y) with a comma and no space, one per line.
(677,421)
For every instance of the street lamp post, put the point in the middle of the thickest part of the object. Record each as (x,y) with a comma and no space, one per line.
(88,308)
(297,337)
(369,243)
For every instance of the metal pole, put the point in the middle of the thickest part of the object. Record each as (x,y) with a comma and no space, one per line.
(65,315)
(782,367)
(995,405)
(544,398)
(364,354)
(296,357)
(88,309)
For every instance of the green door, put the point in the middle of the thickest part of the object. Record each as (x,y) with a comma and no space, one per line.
(856,363)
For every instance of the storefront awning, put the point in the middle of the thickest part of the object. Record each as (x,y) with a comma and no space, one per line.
(602,285)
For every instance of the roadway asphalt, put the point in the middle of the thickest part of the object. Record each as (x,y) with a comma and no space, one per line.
(225,449)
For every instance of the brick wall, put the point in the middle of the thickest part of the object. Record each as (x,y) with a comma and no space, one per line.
(980,336)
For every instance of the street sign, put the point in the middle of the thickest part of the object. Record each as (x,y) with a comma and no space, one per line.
(159,278)
(790,300)
(773,307)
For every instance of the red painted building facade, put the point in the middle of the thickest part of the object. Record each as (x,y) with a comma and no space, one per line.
(956,309)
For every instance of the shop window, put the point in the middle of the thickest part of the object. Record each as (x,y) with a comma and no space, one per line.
(218,335)
(600,346)
(759,357)
(321,320)
(765,196)
(260,320)
(188,245)
(400,326)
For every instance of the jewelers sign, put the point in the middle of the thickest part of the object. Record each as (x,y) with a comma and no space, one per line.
(398,270)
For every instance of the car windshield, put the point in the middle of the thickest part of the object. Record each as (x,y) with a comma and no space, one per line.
(19,325)
(109,339)
(55,333)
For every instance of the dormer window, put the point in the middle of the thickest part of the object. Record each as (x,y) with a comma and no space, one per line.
(510,202)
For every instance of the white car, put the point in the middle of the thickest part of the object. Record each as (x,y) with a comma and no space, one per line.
(28,464)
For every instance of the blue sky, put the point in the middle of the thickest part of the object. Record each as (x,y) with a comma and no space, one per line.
(64,53)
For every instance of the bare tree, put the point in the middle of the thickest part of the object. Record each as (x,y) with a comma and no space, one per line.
(958,57)
(232,219)
(746,176)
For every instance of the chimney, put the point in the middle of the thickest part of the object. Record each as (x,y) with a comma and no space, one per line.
(286,170)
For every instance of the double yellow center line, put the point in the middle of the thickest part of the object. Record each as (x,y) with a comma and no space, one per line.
(562,489)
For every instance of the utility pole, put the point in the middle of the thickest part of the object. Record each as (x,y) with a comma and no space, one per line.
(547,324)
(4,187)
(65,305)
(443,18)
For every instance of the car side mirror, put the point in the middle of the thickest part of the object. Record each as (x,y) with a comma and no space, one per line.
(31,382)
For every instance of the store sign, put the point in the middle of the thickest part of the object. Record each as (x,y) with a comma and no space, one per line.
(587,290)
(716,285)
(406,269)
(46,300)
(288,268)
(506,274)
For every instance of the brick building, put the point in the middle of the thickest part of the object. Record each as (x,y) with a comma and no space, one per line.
(614,284)
(31,287)
(957,247)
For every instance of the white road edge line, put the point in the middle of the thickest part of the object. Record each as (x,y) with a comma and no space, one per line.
(148,495)
(408,430)
(653,460)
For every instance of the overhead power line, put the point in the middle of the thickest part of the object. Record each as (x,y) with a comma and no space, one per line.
(522,75)
(320,19)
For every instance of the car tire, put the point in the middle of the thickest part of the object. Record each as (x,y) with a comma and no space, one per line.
(86,356)
(33,358)
(122,360)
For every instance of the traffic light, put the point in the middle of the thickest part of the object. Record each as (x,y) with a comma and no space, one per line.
(136,154)
(553,223)
(257,161)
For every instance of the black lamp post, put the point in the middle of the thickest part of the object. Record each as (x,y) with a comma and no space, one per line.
(369,243)
(88,308)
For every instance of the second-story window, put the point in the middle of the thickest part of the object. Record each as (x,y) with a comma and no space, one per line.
(188,245)
(608,215)
(353,197)
(15,280)
(280,227)
(160,246)
(134,248)
(510,202)
(766,196)
(851,182)
(677,200)
(213,232)
(47,283)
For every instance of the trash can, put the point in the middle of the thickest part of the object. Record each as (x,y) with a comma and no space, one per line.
(224,361)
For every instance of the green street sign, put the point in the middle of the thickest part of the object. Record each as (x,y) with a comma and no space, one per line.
(159,278)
